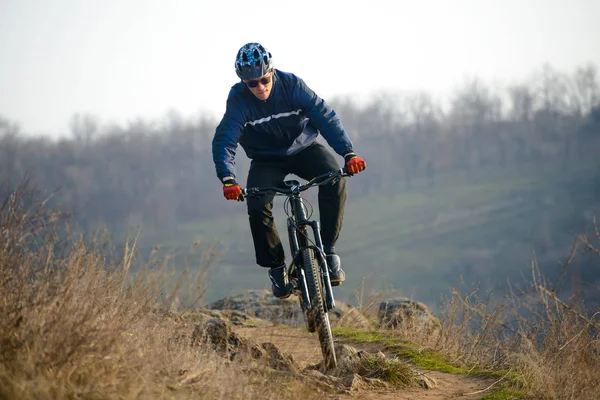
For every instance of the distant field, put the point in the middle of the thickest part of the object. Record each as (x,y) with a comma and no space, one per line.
(418,243)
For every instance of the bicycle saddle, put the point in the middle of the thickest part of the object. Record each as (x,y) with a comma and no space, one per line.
(291,183)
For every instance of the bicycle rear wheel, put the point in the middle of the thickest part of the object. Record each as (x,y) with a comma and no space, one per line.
(318,312)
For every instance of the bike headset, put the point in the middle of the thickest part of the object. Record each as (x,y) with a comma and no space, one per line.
(253,60)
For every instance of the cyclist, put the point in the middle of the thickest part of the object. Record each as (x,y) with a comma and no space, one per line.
(276,117)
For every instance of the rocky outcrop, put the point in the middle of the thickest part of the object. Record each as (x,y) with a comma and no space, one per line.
(357,370)
(405,313)
(216,334)
(261,304)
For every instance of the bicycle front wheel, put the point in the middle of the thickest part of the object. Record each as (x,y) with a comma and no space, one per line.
(318,312)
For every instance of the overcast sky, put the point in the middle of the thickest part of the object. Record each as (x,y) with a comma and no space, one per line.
(123,59)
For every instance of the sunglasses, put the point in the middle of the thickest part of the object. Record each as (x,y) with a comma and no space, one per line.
(254,82)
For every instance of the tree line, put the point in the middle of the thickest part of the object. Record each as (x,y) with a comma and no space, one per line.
(162,171)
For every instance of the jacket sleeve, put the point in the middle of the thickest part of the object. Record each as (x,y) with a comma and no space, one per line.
(227,134)
(323,118)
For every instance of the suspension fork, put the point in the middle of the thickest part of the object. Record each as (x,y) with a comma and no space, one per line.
(297,225)
(329,301)
(295,248)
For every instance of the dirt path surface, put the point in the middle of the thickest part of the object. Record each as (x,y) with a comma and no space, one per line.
(305,349)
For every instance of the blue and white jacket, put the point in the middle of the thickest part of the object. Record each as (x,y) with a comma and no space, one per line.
(283,125)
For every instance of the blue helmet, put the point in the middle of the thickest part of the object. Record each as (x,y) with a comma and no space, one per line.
(253,61)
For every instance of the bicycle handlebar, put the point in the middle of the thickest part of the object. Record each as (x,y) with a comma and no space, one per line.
(317,180)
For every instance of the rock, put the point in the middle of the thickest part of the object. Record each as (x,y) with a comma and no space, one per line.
(426,382)
(359,370)
(348,358)
(353,382)
(257,352)
(216,334)
(324,382)
(343,351)
(376,383)
(263,305)
(278,360)
(406,313)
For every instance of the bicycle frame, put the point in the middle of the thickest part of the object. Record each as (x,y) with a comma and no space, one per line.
(297,227)
(308,257)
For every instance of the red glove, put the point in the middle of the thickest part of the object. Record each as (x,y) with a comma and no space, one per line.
(231,190)
(354,163)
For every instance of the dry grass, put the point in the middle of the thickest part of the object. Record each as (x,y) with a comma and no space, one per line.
(76,324)
(391,370)
(536,339)
(544,343)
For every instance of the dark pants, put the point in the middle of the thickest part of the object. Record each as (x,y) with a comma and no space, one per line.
(313,161)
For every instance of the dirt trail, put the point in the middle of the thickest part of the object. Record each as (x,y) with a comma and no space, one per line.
(305,349)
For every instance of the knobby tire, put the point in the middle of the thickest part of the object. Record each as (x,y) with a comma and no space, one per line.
(319,314)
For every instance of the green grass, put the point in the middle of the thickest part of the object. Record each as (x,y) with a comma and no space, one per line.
(361,336)
(505,394)
(418,242)
(432,360)
(423,358)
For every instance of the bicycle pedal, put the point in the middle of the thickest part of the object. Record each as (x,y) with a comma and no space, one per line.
(295,286)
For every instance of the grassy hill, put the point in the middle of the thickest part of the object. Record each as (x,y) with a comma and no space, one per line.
(483,230)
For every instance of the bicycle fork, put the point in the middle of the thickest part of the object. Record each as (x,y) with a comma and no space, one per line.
(320,259)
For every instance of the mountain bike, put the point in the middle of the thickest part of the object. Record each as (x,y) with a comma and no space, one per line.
(308,270)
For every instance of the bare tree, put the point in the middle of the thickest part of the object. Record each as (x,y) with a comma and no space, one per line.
(9,148)
(551,90)
(587,89)
(522,103)
(425,115)
(162,170)
(474,108)
(84,128)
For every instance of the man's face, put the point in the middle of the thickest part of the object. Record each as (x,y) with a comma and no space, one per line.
(261,87)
